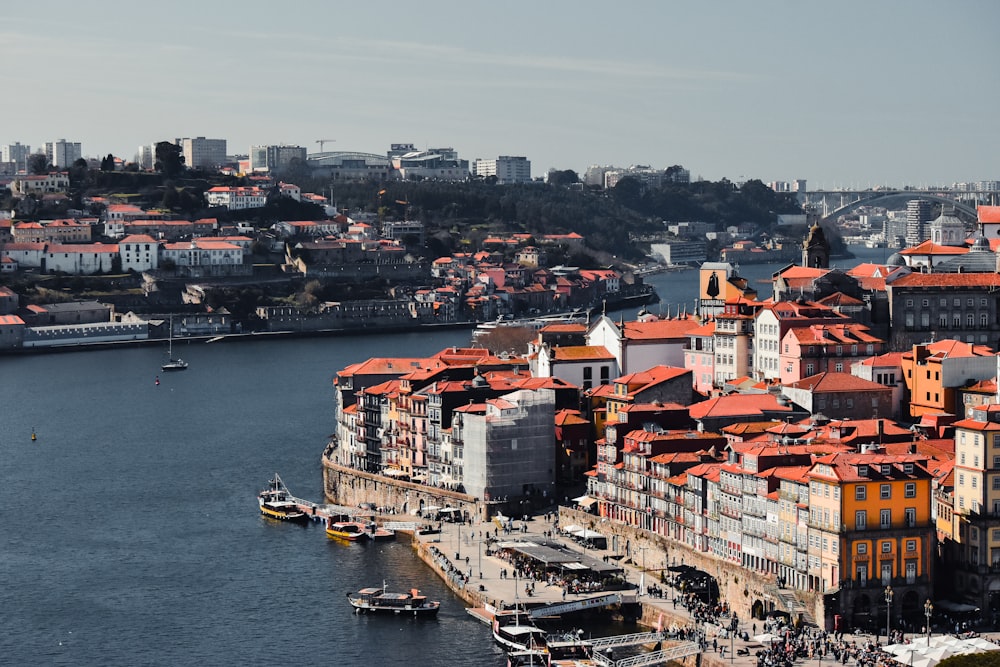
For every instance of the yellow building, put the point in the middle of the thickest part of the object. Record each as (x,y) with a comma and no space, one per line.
(870,528)
(975,547)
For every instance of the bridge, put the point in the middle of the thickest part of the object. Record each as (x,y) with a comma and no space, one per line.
(579,605)
(653,658)
(835,203)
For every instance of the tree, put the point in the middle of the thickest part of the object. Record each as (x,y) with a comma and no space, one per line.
(566,177)
(169,158)
(38,163)
(108,163)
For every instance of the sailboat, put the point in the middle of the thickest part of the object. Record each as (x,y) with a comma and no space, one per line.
(173,364)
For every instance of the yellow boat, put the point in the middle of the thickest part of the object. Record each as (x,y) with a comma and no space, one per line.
(277,503)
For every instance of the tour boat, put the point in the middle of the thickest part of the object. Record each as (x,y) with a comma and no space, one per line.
(277,503)
(515,631)
(377,600)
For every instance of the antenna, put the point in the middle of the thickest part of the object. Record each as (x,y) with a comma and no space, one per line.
(321,142)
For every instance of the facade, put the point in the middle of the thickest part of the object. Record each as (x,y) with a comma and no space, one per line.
(63,153)
(52,231)
(202,153)
(275,158)
(139,252)
(733,341)
(16,155)
(145,156)
(933,372)
(974,553)
(236,198)
(918,214)
(820,348)
(773,322)
(960,306)
(39,184)
(506,169)
(435,163)
(870,527)
(80,259)
(840,396)
(506,447)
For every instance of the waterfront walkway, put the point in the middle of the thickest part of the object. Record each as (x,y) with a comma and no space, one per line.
(460,552)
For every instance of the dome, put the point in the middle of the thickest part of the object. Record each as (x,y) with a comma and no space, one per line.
(895,259)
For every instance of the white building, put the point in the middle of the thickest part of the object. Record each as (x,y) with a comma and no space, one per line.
(145,157)
(17,154)
(39,184)
(236,198)
(139,252)
(202,153)
(506,169)
(63,153)
(79,259)
(204,251)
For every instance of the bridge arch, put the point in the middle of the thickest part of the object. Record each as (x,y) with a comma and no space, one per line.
(887,195)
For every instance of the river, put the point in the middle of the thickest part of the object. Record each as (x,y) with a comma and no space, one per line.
(131,534)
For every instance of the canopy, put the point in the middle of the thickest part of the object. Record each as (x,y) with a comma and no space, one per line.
(765,638)
(572,528)
(587,534)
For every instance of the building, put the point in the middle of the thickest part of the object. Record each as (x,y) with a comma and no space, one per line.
(773,322)
(871,527)
(236,198)
(145,156)
(139,252)
(840,396)
(16,155)
(918,214)
(934,371)
(276,158)
(202,153)
(25,184)
(63,153)
(435,163)
(974,552)
(960,306)
(506,169)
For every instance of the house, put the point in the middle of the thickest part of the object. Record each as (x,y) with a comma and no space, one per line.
(11,332)
(139,252)
(840,396)
(933,372)
(642,344)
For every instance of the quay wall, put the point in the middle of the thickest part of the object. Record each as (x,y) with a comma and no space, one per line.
(350,487)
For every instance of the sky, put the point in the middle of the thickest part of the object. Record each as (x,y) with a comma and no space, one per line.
(845,94)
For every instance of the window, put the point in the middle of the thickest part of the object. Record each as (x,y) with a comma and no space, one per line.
(885,491)
(860,493)
(861,520)
(911,517)
(911,545)
(588,373)
(910,490)
(862,548)
(887,547)
(996,483)
(885,518)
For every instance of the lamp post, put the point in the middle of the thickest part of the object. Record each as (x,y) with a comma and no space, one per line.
(928,610)
(888,611)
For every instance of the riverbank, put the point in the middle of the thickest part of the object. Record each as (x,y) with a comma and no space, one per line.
(255,336)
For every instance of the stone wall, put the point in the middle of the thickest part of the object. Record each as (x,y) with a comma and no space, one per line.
(744,590)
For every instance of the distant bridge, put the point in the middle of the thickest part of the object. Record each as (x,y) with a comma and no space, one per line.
(835,203)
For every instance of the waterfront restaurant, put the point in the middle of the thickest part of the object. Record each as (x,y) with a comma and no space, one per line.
(549,562)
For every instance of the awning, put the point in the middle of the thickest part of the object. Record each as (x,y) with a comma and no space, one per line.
(574,566)
(394,472)
(955,607)
(572,528)
(585,501)
(580,499)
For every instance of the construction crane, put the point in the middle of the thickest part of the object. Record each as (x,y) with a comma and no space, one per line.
(324,141)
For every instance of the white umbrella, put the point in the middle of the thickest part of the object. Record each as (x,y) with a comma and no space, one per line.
(984,645)
(765,638)
(939,653)
(923,661)
(896,649)
(904,656)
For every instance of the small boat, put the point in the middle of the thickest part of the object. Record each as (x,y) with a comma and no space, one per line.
(376,532)
(173,364)
(345,530)
(277,503)
(377,600)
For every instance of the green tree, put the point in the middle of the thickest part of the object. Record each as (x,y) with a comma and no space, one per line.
(169,158)
(38,163)
(108,163)
(990,659)
(561,178)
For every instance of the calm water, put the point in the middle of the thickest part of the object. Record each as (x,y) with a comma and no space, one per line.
(130,532)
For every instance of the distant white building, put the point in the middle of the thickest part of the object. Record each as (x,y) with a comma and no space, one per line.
(435,163)
(63,153)
(205,251)
(145,157)
(506,169)
(202,153)
(236,198)
(139,252)
(17,154)
(39,184)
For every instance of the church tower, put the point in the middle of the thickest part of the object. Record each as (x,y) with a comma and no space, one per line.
(816,249)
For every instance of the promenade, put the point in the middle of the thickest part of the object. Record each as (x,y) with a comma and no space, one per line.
(462,554)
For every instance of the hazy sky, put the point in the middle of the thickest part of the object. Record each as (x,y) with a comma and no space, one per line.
(844,94)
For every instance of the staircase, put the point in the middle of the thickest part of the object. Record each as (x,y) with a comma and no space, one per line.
(786,598)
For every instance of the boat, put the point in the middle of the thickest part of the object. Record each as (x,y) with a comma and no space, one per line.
(173,364)
(277,503)
(345,530)
(378,600)
(376,532)
(515,631)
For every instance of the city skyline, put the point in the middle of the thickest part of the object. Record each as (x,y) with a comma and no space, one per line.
(868,95)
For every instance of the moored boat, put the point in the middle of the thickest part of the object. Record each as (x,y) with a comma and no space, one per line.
(515,631)
(378,600)
(276,502)
(345,530)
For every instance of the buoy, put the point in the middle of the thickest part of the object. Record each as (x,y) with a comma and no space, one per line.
(157,380)
(33,436)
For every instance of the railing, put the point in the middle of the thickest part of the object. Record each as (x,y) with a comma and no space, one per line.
(655,658)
